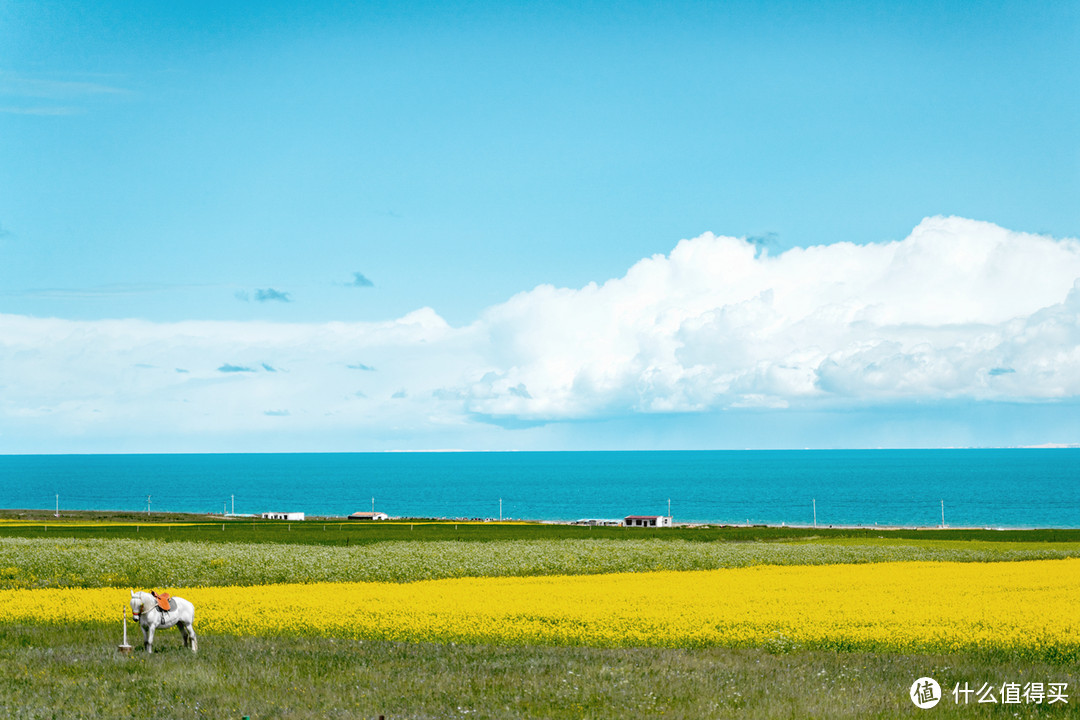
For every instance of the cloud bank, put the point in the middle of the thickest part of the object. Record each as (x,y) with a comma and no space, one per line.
(959,310)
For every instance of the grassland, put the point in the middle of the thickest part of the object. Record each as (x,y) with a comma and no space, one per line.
(335,531)
(70,562)
(72,670)
(75,672)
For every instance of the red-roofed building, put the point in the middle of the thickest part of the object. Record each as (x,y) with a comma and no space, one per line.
(369,516)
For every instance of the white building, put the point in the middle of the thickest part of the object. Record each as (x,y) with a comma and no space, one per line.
(282,516)
(369,516)
(647,521)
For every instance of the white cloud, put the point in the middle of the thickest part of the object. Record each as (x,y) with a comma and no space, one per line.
(75,377)
(958,310)
(717,324)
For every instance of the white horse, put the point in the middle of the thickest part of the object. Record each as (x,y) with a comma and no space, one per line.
(145,611)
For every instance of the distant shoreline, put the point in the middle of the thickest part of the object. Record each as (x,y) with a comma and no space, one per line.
(46,515)
(457,451)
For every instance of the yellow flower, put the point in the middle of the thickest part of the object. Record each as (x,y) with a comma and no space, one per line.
(1021,607)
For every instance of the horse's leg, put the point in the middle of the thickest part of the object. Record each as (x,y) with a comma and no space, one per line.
(150,639)
(193,642)
(184,634)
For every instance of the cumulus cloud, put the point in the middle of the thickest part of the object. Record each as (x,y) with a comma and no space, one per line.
(959,310)
(720,324)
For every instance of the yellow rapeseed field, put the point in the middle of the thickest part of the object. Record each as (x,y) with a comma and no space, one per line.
(1019,607)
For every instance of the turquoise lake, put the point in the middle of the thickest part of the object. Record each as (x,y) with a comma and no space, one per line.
(984,488)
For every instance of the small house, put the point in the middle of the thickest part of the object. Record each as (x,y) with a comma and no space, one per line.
(282,516)
(369,516)
(647,521)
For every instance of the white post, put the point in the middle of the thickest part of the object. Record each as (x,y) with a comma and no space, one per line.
(500,509)
(815,511)
(148,505)
(233,504)
(669,508)
(57,505)
(942,513)
(124,648)
(372,506)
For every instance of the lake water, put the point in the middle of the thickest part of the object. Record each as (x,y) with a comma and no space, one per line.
(986,488)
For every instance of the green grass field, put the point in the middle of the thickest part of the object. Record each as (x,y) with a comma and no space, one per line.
(67,562)
(40,523)
(75,671)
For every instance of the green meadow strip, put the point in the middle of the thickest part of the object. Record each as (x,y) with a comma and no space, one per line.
(65,562)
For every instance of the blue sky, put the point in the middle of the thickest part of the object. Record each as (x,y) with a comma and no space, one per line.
(205,181)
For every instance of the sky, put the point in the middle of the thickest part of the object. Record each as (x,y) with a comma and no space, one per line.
(558,226)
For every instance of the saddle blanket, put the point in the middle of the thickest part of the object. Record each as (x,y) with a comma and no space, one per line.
(165,602)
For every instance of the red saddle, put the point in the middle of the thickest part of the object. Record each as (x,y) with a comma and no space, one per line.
(163,601)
